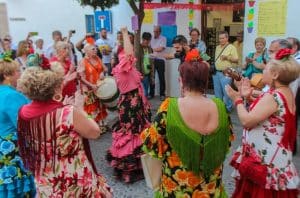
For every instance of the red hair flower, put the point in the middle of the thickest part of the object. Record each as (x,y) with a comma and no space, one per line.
(44,62)
(193,55)
(283,54)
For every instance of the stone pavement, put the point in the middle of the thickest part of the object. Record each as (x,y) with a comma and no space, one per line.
(139,189)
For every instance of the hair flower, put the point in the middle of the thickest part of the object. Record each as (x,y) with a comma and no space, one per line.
(193,55)
(6,57)
(44,62)
(283,54)
(38,60)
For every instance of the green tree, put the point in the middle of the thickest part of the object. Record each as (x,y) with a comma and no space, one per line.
(136,5)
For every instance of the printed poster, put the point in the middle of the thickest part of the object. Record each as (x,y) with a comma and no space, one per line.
(272,18)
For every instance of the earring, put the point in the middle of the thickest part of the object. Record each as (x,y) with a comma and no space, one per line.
(273,83)
(57,98)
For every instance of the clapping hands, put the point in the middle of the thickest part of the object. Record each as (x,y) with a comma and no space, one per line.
(244,90)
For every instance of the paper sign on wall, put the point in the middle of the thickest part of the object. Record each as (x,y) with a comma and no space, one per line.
(167,18)
(169,31)
(134,23)
(271,23)
(148,19)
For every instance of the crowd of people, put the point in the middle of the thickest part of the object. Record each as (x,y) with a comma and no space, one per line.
(55,109)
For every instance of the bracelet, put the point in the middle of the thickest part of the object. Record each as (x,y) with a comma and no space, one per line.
(238,101)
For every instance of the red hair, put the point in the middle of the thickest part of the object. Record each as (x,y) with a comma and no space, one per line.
(194,75)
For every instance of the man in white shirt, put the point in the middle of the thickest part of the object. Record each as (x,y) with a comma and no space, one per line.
(105,46)
(50,51)
(159,44)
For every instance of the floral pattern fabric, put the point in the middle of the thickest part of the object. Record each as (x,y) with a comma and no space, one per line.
(72,175)
(262,142)
(125,151)
(15,180)
(177,181)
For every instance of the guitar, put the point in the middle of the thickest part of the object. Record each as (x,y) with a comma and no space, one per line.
(233,73)
(256,79)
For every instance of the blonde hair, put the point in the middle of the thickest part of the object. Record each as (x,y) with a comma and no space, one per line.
(288,70)
(39,84)
(7,69)
(61,45)
(22,48)
(87,47)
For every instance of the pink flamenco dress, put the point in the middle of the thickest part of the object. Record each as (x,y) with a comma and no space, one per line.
(57,155)
(269,146)
(134,116)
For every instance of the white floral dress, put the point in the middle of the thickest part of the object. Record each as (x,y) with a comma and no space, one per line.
(73,175)
(263,141)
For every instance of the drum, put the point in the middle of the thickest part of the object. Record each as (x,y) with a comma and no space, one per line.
(108,93)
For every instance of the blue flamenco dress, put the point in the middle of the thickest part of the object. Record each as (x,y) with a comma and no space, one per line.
(15,180)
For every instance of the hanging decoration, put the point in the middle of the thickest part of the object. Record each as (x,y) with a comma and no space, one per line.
(193,6)
(191,16)
(250,16)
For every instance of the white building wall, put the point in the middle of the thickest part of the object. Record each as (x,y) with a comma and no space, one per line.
(45,16)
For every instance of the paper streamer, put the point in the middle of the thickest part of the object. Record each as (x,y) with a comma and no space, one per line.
(191,15)
(250,16)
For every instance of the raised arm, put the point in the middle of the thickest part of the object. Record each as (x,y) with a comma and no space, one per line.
(128,47)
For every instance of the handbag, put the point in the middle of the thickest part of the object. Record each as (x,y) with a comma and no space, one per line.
(152,169)
(252,169)
(212,68)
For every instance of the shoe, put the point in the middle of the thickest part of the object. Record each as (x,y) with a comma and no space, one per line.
(162,98)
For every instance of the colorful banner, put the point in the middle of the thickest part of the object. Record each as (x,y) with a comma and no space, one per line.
(210,7)
(169,31)
(250,16)
(166,18)
(148,19)
(191,16)
(134,23)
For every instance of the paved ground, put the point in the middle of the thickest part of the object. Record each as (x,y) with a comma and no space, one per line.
(139,189)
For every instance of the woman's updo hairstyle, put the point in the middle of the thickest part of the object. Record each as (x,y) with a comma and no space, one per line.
(194,72)
(41,82)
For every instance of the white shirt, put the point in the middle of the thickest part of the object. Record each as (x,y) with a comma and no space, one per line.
(105,42)
(50,51)
(161,41)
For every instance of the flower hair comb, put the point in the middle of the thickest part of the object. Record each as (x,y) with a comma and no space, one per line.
(283,54)
(6,57)
(192,56)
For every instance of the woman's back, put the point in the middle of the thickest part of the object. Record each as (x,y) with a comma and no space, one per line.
(173,138)
(199,113)
(64,167)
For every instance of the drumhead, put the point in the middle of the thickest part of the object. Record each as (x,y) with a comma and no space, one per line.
(107,88)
